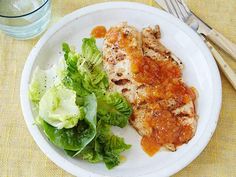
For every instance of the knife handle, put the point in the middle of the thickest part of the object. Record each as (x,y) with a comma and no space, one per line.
(223,42)
(227,70)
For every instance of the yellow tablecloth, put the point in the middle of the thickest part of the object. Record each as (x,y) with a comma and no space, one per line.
(20,156)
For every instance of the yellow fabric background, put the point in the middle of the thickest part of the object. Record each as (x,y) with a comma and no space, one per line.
(20,156)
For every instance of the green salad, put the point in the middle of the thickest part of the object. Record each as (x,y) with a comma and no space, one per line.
(75,109)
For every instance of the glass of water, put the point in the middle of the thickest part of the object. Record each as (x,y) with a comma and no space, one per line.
(24,19)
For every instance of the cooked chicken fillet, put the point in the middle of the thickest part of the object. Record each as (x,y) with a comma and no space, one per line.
(123,46)
(153,48)
(117,62)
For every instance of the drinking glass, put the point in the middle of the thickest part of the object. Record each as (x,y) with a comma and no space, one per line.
(24,19)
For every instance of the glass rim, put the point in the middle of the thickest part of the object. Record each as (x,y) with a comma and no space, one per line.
(26,14)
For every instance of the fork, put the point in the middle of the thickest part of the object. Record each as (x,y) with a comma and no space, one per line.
(180,13)
(189,17)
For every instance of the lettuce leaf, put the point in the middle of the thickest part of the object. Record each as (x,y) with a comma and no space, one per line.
(89,153)
(73,78)
(58,107)
(42,80)
(95,78)
(90,52)
(85,74)
(112,145)
(114,109)
(105,147)
(78,137)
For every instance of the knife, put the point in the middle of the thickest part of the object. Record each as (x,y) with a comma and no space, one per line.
(183,13)
(202,27)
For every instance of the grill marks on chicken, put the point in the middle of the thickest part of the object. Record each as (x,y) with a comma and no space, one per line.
(153,48)
(150,77)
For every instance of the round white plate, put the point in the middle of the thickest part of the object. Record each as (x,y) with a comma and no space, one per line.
(200,71)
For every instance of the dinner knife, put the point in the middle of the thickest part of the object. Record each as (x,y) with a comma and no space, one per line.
(182,12)
(202,27)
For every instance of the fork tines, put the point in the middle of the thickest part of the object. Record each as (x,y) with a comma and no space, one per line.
(178,9)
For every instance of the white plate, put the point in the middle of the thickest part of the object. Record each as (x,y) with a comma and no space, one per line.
(200,71)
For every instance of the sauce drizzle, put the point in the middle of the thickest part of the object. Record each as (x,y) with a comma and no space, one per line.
(98,32)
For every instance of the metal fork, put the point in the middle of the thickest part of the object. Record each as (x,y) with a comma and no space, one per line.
(180,10)
(184,14)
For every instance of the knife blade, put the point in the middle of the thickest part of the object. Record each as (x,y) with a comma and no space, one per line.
(201,27)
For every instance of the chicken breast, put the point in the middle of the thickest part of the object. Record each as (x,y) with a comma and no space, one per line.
(150,77)
(117,61)
(153,48)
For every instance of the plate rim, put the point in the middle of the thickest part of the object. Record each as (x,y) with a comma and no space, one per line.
(25,106)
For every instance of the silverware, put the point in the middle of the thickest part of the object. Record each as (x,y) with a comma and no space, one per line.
(179,9)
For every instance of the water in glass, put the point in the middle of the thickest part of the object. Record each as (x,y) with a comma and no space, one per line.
(24,19)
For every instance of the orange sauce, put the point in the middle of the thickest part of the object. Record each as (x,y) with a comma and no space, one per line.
(115,36)
(112,35)
(162,80)
(167,129)
(153,72)
(149,145)
(99,32)
(174,88)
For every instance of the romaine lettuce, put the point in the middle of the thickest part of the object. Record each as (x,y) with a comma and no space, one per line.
(84,72)
(114,109)
(73,78)
(106,146)
(91,53)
